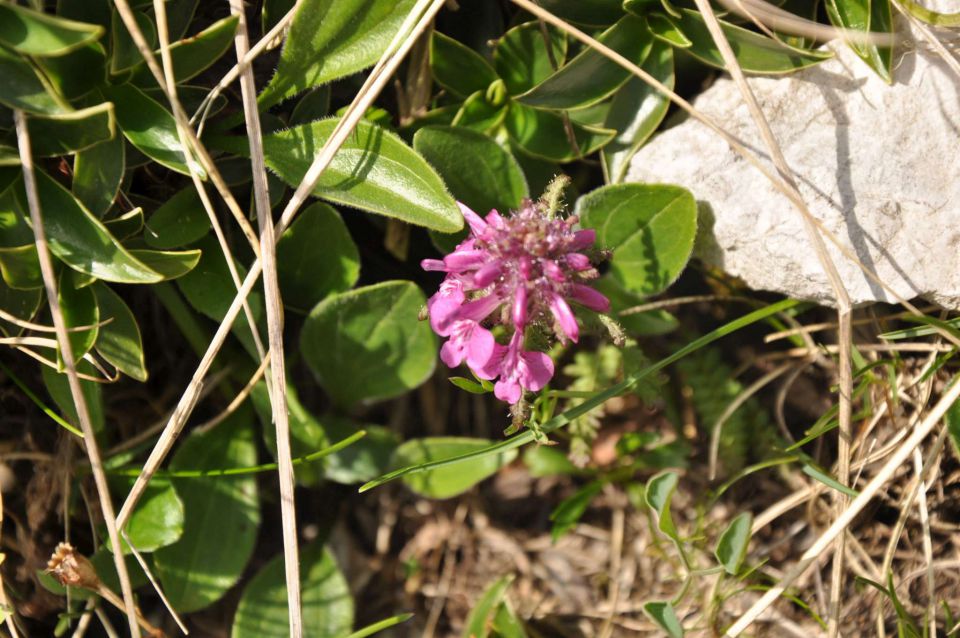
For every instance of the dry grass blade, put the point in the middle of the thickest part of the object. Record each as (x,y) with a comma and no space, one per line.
(840,524)
(80,403)
(271,287)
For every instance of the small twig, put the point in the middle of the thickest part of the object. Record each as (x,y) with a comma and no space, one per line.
(927,543)
(66,350)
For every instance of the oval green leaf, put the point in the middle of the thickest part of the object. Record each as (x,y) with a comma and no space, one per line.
(665,29)
(192,55)
(650,228)
(658,495)
(78,305)
(79,239)
(478,171)
(754,52)
(35,33)
(148,126)
(866,16)
(222,516)
(119,341)
(181,220)
(316,256)
(732,546)
(327,607)
(158,519)
(478,114)
(368,344)
(479,620)
(590,76)
(458,68)
(521,57)
(329,40)
(374,171)
(543,134)
(22,88)
(97,173)
(665,617)
(170,264)
(635,113)
(447,482)
(66,133)
(20,267)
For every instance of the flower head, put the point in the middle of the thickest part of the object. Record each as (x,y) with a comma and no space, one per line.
(522,271)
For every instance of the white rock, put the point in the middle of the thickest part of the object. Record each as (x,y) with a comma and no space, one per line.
(878,164)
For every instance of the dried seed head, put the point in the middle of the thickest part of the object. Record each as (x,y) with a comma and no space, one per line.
(72,569)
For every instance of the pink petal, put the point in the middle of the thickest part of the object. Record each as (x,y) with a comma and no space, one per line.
(583,239)
(451,354)
(587,296)
(488,274)
(507,390)
(519,311)
(435,265)
(479,347)
(552,270)
(578,261)
(465,260)
(564,316)
(477,225)
(491,370)
(443,313)
(536,371)
(479,309)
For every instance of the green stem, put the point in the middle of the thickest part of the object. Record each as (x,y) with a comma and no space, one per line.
(40,404)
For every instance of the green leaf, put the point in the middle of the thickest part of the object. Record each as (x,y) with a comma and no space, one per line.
(362,461)
(658,495)
(635,113)
(467,385)
(648,323)
(124,54)
(119,341)
(665,29)
(78,305)
(210,289)
(448,482)
(316,257)
(521,58)
(79,239)
(20,267)
(181,220)
(222,516)
(952,418)
(458,68)
(67,133)
(568,513)
(866,16)
(126,225)
(664,616)
(755,53)
(326,602)
(194,54)
(97,173)
(22,88)
(543,134)
(377,627)
(592,13)
(506,623)
(22,304)
(35,33)
(649,227)
(478,171)
(329,40)
(732,546)
(590,76)
(478,114)
(78,73)
(479,620)
(374,171)
(158,519)
(314,105)
(170,264)
(58,387)
(548,460)
(368,344)
(818,474)
(148,126)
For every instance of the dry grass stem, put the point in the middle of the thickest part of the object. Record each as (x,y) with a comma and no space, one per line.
(271,286)
(66,350)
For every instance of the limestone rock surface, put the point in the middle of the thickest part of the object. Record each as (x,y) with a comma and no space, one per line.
(878,164)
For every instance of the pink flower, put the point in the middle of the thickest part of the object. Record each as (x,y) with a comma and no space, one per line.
(529,264)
